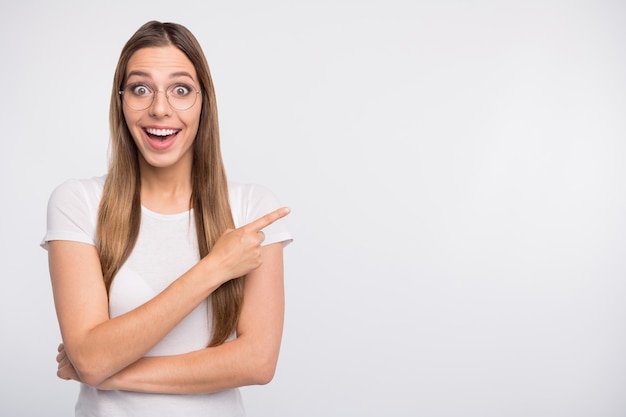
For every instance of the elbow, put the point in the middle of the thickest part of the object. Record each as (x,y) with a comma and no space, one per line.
(90,376)
(264,376)
(90,371)
(264,369)
(91,380)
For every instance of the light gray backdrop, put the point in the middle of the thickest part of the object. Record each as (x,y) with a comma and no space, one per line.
(456,174)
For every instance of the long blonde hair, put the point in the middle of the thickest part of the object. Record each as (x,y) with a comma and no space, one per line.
(119,213)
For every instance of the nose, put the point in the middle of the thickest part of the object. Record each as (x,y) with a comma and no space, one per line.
(160,106)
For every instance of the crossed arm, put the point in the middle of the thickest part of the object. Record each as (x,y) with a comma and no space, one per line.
(109,353)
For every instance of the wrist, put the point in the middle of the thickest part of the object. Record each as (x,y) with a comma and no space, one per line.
(210,274)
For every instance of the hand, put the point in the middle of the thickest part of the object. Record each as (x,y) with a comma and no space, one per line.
(65,368)
(238,251)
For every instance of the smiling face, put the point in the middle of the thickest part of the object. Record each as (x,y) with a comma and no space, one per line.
(164,135)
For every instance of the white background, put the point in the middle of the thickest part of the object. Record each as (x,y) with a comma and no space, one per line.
(456,175)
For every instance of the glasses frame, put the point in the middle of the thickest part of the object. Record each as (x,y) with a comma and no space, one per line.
(154,93)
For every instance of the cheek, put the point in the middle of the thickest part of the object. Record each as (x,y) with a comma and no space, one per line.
(193,123)
(130,120)
(136,134)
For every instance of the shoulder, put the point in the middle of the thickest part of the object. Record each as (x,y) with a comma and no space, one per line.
(73,209)
(250,201)
(88,191)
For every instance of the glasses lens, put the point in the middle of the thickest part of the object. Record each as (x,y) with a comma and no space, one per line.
(181,97)
(138,97)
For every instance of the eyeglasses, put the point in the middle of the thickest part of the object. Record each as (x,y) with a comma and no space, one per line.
(141,96)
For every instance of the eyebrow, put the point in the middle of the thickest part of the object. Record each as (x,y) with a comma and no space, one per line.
(172,75)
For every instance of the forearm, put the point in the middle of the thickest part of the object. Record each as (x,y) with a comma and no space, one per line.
(230,365)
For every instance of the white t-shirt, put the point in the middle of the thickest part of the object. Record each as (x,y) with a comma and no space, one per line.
(166,248)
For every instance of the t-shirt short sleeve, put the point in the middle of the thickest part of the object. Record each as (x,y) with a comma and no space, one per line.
(72,212)
(251,201)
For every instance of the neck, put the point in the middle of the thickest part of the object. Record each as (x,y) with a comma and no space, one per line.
(165,190)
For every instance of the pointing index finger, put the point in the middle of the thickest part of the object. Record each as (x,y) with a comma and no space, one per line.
(268,219)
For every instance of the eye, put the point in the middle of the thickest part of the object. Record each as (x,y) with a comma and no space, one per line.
(140,90)
(180,90)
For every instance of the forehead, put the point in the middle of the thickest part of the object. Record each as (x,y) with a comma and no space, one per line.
(160,62)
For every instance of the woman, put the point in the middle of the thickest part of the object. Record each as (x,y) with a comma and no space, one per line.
(167,279)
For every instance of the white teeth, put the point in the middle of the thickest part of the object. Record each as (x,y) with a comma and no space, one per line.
(161,132)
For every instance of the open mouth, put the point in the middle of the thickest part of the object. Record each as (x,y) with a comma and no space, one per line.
(161,134)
